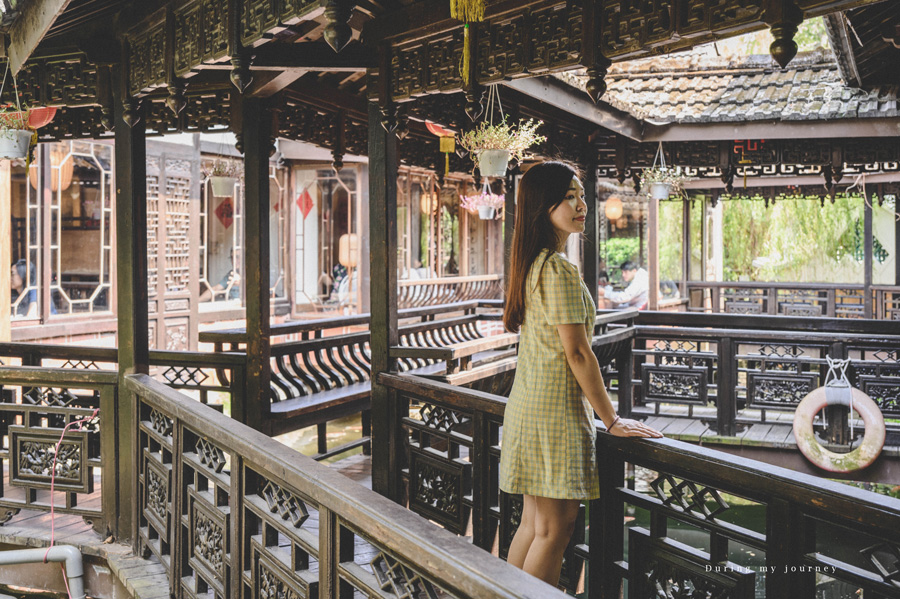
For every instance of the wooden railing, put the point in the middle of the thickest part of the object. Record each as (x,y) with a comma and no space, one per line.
(803,531)
(748,365)
(794,299)
(429,292)
(229,512)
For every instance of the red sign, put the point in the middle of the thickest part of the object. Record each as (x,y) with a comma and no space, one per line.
(225,213)
(305,203)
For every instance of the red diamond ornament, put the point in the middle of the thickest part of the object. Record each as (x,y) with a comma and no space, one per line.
(305,203)
(225,213)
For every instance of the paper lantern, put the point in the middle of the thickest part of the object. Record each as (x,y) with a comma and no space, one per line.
(430,203)
(60,173)
(614,208)
(348,249)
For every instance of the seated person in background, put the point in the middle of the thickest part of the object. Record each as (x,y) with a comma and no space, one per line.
(633,296)
(668,289)
(18,276)
(221,290)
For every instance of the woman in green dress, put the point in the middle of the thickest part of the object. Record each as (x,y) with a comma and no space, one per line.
(548,430)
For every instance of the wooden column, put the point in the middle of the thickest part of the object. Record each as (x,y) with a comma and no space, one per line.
(869,240)
(131,292)
(509,221)
(653,253)
(591,244)
(685,246)
(257,142)
(5,247)
(386,442)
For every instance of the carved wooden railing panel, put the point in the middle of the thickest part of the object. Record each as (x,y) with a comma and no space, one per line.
(35,406)
(812,531)
(746,365)
(430,292)
(794,299)
(233,513)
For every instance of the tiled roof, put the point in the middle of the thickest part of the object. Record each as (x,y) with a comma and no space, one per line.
(694,88)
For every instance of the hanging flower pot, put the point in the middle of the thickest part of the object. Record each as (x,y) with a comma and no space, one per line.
(487,212)
(222,187)
(14,143)
(494,145)
(660,191)
(492,163)
(41,116)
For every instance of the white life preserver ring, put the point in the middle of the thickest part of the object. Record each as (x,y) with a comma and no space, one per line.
(859,458)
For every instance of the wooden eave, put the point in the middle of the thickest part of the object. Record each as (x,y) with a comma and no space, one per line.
(28,29)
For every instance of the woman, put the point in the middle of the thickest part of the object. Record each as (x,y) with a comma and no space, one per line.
(548,431)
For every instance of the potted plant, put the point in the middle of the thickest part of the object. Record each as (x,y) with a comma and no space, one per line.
(223,174)
(493,145)
(15,135)
(487,205)
(659,182)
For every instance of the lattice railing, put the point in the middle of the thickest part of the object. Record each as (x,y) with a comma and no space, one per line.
(230,512)
(693,522)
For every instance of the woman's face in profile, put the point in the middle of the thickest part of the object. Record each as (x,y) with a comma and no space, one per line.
(569,216)
(15,281)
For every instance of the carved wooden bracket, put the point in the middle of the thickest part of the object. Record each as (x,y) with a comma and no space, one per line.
(783,17)
(337,33)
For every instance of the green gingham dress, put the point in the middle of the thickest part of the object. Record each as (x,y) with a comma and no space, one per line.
(548,428)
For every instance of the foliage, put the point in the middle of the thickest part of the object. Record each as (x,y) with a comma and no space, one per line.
(490,200)
(662,174)
(810,35)
(776,243)
(503,136)
(670,227)
(11,118)
(223,168)
(621,249)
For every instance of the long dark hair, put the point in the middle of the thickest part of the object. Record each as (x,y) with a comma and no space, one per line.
(542,188)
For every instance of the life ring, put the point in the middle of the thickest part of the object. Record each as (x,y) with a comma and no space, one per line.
(859,458)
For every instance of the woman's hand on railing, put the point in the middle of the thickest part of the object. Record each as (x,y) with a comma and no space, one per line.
(626,427)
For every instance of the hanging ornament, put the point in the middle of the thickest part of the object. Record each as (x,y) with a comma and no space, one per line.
(447,142)
(225,213)
(305,203)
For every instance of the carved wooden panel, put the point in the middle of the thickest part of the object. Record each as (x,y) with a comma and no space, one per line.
(428,67)
(779,389)
(147,59)
(678,384)
(806,152)
(64,80)
(884,391)
(501,51)
(201,34)
(554,36)
(34,455)
(437,488)
(257,17)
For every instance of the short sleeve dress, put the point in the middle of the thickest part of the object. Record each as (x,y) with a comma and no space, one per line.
(548,428)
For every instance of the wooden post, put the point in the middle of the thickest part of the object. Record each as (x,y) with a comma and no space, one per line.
(868,237)
(509,221)
(257,142)
(5,247)
(386,442)
(726,399)
(591,244)
(131,292)
(653,254)
(685,246)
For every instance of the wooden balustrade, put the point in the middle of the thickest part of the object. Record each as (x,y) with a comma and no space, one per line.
(230,512)
(428,292)
(748,365)
(794,299)
(812,531)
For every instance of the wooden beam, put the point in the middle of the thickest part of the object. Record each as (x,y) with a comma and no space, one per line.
(30,27)
(313,56)
(572,101)
(256,132)
(653,253)
(382,240)
(869,245)
(269,83)
(773,129)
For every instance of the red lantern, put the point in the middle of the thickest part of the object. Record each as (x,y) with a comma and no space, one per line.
(38,117)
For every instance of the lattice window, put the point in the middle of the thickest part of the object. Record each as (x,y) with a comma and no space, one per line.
(178,228)
(221,245)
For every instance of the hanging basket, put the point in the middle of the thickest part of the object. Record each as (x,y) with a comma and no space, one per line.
(492,163)
(14,143)
(222,187)
(660,191)
(487,213)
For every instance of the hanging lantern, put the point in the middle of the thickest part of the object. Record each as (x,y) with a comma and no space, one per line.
(429,203)
(348,249)
(61,170)
(614,208)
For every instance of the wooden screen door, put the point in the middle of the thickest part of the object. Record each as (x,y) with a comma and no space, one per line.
(173,206)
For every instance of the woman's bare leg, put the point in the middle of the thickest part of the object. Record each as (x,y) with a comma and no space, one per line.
(521,542)
(554,522)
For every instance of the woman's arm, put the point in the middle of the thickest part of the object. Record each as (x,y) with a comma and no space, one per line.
(586,369)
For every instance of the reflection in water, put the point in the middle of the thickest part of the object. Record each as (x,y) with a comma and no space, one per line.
(339,432)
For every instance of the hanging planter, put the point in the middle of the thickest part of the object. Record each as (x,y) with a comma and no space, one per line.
(660,190)
(487,205)
(493,163)
(14,143)
(222,187)
(223,176)
(487,213)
